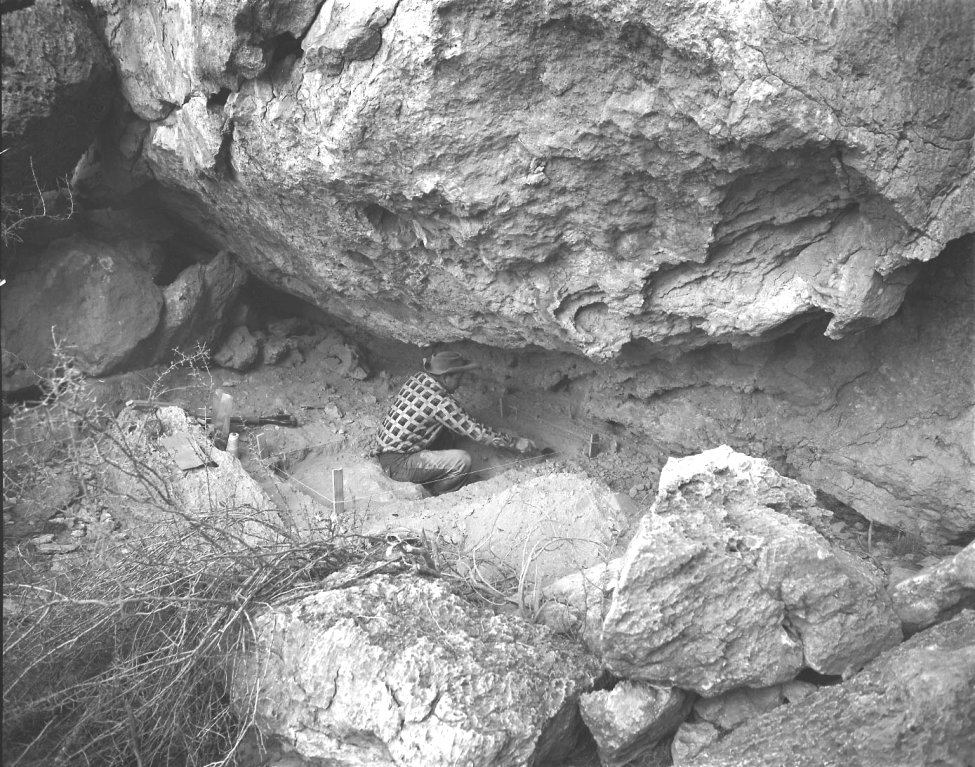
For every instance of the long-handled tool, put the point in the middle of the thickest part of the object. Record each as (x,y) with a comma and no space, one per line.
(203,414)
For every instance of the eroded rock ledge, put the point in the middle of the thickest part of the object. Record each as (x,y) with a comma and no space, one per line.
(575,175)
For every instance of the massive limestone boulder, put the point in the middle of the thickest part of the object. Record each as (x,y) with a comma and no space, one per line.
(400,671)
(58,81)
(96,300)
(912,705)
(724,587)
(100,301)
(574,175)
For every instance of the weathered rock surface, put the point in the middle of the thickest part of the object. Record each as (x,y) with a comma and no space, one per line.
(108,312)
(738,706)
(58,81)
(691,739)
(629,720)
(723,587)
(517,527)
(399,671)
(881,420)
(584,176)
(240,350)
(913,705)
(921,599)
(578,602)
(196,305)
(102,305)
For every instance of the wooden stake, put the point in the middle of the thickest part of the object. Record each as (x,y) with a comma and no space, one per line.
(338,492)
(593,450)
(501,405)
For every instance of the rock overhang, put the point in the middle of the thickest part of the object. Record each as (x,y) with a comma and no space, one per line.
(577,177)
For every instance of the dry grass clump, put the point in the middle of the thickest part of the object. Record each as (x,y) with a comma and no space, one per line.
(18,211)
(121,655)
(125,658)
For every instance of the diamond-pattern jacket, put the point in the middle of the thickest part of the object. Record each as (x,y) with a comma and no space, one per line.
(422,409)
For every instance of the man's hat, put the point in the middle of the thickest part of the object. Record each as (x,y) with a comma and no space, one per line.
(442,363)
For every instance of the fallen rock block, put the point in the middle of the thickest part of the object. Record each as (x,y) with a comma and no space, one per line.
(922,598)
(628,721)
(400,671)
(217,492)
(239,351)
(724,587)
(912,705)
(577,603)
(197,304)
(103,307)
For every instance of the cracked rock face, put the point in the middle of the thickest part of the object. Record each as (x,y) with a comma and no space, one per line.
(399,671)
(58,81)
(912,705)
(574,175)
(726,584)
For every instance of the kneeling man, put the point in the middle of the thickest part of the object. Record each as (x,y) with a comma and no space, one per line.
(411,438)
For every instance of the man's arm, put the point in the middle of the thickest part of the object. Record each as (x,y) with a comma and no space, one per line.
(455,418)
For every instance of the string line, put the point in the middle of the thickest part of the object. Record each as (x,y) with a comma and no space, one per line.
(392,495)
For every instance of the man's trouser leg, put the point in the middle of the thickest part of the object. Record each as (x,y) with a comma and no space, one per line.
(439,471)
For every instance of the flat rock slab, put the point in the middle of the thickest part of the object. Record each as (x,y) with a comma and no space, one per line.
(400,671)
(530,528)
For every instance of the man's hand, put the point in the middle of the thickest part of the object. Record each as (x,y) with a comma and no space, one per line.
(525,445)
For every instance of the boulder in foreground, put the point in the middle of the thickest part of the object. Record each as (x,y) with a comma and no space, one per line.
(725,585)
(400,671)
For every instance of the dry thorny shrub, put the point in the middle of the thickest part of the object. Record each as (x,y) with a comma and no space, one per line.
(123,656)
(18,211)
